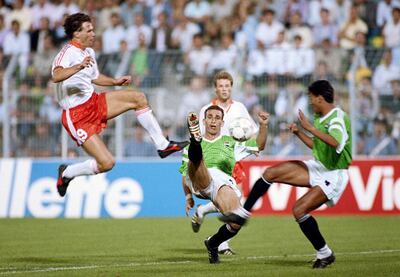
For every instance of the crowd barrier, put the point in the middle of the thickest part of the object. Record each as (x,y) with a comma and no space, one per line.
(153,189)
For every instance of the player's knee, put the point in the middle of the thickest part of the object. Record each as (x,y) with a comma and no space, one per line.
(106,165)
(140,100)
(235,227)
(269,175)
(298,211)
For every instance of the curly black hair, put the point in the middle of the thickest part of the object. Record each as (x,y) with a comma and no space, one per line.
(323,88)
(74,23)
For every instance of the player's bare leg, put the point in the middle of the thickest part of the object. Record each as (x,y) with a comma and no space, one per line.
(103,161)
(121,101)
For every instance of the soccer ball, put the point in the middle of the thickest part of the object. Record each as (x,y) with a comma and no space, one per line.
(241,129)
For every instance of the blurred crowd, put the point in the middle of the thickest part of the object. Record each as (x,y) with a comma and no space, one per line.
(273,48)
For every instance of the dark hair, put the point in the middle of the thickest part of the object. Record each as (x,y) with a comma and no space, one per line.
(214,107)
(74,23)
(323,88)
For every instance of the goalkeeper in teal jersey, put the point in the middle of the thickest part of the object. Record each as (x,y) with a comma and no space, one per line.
(207,166)
(326,175)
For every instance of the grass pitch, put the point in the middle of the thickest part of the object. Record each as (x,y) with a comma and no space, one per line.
(268,246)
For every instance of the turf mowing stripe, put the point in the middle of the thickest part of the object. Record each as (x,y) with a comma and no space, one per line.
(50,269)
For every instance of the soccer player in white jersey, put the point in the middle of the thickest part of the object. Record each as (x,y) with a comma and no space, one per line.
(207,166)
(223,83)
(326,175)
(85,112)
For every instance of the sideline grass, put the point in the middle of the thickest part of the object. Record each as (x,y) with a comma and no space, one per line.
(268,246)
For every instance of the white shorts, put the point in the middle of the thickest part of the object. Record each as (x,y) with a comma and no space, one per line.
(218,180)
(332,182)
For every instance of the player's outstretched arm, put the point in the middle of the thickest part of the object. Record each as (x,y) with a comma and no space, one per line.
(189,203)
(301,135)
(328,139)
(263,119)
(104,80)
(60,73)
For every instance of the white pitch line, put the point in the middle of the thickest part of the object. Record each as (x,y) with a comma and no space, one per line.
(51,269)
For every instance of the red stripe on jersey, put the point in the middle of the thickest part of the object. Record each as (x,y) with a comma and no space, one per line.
(62,53)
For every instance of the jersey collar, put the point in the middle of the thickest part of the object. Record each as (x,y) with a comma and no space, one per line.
(215,101)
(76,44)
(321,119)
(217,138)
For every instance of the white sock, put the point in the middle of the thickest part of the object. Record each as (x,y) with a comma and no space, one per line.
(206,209)
(242,212)
(224,246)
(324,252)
(149,122)
(88,167)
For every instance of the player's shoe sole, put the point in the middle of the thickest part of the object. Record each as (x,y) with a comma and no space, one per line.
(62,182)
(194,126)
(172,147)
(322,263)
(213,257)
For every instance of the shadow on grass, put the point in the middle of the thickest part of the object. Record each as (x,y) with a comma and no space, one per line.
(44,260)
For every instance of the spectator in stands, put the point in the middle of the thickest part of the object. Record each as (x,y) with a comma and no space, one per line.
(297,28)
(221,9)
(367,105)
(277,57)
(42,144)
(268,29)
(130,7)
(61,38)
(384,12)
(38,36)
(20,13)
(256,65)
(341,11)
(25,114)
(17,42)
(380,143)
(198,11)
(350,28)
(225,57)
(385,73)
(249,97)
(105,9)
(140,64)
(161,37)
(322,72)
(332,56)
(198,58)
(113,35)
(325,29)
(158,7)
(43,59)
(41,9)
(290,100)
(284,145)
(301,60)
(65,7)
(183,32)
(50,111)
(133,32)
(139,145)
(196,97)
(247,28)
(391,30)
(3,30)
(296,6)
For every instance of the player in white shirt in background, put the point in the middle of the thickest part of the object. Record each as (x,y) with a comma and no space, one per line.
(85,112)
(223,83)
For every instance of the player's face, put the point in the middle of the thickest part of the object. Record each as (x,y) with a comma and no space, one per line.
(223,89)
(315,102)
(213,122)
(86,35)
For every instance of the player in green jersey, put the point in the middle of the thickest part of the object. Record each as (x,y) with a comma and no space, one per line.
(207,166)
(326,175)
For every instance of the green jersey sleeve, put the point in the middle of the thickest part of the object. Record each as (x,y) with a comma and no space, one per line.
(185,160)
(337,129)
